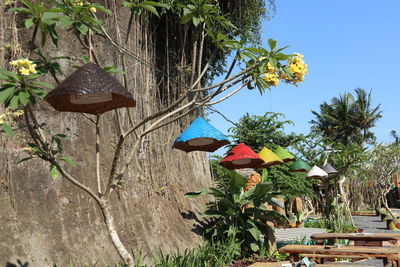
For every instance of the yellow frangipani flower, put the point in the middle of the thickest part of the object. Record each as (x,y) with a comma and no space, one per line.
(14,63)
(24,71)
(271,79)
(24,66)
(18,113)
(298,69)
(32,68)
(93,9)
(270,68)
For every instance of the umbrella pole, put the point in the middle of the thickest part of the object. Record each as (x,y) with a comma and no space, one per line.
(98,154)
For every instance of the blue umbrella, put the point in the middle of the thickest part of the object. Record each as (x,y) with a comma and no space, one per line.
(200,136)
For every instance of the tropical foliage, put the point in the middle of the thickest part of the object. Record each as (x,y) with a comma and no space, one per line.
(382,164)
(347,118)
(213,32)
(241,213)
(267,131)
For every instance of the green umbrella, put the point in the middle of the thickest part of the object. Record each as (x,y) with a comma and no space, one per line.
(284,154)
(299,166)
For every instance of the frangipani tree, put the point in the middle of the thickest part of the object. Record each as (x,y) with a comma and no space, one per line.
(383,164)
(23,82)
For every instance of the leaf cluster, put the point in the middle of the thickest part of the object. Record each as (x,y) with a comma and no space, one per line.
(245,213)
(65,13)
(347,118)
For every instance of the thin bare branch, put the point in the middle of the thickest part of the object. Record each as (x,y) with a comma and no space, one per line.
(226,96)
(114,166)
(98,154)
(75,181)
(87,117)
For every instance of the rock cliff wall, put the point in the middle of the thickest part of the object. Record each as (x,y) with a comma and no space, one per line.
(44,220)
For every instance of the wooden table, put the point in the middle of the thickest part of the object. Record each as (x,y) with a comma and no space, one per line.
(321,252)
(360,239)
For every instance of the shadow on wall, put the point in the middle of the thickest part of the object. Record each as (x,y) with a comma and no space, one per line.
(20,264)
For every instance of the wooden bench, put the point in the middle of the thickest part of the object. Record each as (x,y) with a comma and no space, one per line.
(360,239)
(320,252)
(279,264)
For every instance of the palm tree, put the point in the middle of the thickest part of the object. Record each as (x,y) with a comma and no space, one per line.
(348,119)
(366,116)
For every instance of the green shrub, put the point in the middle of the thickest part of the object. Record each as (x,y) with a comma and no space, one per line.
(239,213)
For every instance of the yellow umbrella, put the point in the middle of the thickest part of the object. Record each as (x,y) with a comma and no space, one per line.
(269,158)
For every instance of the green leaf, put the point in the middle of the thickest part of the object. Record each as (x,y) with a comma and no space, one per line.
(273,62)
(53,171)
(44,84)
(66,22)
(254,247)
(59,145)
(49,16)
(113,69)
(264,176)
(10,74)
(85,59)
(272,44)
(157,4)
(237,182)
(5,94)
(24,97)
(211,213)
(196,21)
(280,49)
(255,233)
(61,135)
(35,76)
(127,4)
(186,18)
(14,102)
(40,92)
(20,10)
(7,129)
(150,8)
(281,56)
(83,28)
(69,160)
(24,159)
(29,23)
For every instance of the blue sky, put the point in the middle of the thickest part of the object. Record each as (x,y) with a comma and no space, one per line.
(346,44)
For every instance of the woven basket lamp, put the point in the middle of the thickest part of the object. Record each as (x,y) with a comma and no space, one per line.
(329,169)
(90,89)
(241,156)
(299,166)
(316,172)
(269,158)
(200,136)
(284,154)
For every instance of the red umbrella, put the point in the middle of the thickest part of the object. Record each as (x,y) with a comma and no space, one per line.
(241,156)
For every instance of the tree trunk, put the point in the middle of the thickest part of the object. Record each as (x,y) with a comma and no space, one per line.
(68,225)
(119,246)
(343,196)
